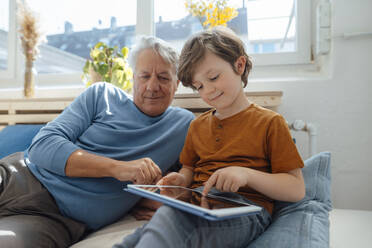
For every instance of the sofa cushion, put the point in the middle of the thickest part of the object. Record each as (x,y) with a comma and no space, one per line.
(111,234)
(317,177)
(304,223)
(17,138)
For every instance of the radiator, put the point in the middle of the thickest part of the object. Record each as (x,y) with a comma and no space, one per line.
(310,129)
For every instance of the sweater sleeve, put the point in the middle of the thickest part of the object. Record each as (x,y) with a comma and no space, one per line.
(55,142)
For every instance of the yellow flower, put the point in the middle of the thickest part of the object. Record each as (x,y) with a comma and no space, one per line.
(214,12)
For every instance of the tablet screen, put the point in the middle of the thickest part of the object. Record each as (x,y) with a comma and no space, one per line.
(194,197)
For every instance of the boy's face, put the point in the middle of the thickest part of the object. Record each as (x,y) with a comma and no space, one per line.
(218,84)
(155,83)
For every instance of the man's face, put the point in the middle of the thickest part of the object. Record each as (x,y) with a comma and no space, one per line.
(155,83)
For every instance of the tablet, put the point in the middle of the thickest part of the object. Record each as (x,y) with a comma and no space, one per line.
(212,207)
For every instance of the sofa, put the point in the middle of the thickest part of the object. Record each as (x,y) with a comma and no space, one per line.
(309,223)
(348,228)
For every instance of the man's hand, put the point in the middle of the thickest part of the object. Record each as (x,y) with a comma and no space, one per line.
(228,179)
(173,178)
(140,171)
(145,209)
(84,164)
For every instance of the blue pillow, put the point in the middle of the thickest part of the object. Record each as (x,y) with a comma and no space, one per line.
(17,138)
(304,223)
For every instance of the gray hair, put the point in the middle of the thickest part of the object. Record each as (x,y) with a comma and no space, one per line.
(161,47)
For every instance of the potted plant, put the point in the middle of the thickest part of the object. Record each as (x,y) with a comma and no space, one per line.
(31,37)
(108,64)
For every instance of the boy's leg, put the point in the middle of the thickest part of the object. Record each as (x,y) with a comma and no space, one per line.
(170,227)
(132,239)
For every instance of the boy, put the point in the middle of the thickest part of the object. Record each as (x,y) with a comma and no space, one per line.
(235,147)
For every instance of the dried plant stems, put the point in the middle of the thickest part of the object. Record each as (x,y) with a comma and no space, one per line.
(31,38)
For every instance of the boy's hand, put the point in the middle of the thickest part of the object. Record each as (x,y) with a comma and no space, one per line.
(173,178)
(228,179)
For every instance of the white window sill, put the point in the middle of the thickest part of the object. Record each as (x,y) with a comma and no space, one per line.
(43,92)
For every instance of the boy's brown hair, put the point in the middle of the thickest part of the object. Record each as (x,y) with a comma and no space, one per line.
(221,41)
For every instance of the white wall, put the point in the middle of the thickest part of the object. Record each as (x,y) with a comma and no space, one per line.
(340,105)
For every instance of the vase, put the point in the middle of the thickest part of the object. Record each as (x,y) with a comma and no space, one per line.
(30,77)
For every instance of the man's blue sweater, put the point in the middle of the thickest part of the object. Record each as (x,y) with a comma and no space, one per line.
(103,121)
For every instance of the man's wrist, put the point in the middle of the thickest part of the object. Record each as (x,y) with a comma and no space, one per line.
(115,169)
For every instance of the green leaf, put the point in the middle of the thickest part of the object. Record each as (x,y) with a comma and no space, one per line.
(107,78)
(125,52)
(99,45)
(110,51)
(94,53)
(117,78)
(124,77)
(86,66)
(101,57)
(118,63)
(95,66)
(103,69)
(128,72)
(127,85)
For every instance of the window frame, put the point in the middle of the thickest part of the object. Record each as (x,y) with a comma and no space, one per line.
(303,32)
(9,72)
(145,25)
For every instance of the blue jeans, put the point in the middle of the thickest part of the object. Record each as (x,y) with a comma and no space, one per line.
(170,227)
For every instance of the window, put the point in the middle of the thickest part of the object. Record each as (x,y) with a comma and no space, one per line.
(4,29)
(270,28)
(74,27)
(7,41)
(274,33)
(278,31)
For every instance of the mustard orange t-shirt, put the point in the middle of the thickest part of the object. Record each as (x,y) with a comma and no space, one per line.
(256,138)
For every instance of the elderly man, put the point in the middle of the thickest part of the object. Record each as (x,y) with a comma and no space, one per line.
(78,164)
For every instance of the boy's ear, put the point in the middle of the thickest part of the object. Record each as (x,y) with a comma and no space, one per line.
(240,64)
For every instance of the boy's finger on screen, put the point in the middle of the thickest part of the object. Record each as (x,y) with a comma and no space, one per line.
(234,187)
(220,183)
(226,186)
(160,182)
(166,180)
(209,184)
(171,178)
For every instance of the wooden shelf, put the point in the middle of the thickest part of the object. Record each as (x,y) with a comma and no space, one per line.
(267,99)
(42,110)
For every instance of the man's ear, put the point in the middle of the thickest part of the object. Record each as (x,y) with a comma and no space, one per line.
(240,64)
